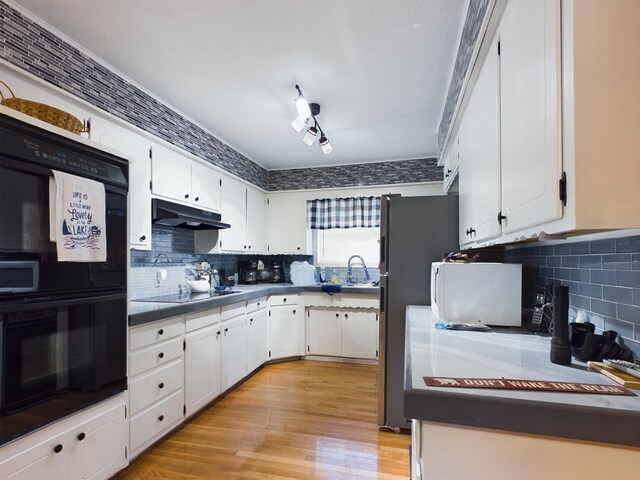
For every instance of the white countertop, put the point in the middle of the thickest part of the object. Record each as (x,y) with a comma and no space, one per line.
(505,353)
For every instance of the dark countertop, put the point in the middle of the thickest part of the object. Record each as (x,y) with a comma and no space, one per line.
(514,354)
(146,312)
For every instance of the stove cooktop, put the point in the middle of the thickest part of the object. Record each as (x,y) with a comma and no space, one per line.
(186,297)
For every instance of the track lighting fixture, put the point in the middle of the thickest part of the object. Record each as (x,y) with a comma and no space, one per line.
(308,110)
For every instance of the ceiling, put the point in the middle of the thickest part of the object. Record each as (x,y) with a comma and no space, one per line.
(378,69)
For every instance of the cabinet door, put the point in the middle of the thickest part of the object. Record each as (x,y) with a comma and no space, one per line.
(484,141)
(286,224)
(284,332)
(205,187)
(530,97)
(323,332)
(234,351)
(465,181)
(45,461)
(256,339)
(360,334)
(97,447)
(234,212)
(202,367)
(170,175)
(256,220)
(137,149)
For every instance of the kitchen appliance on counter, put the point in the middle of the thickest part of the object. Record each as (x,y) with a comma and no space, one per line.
(248,272)
(277,272)
(414,232)
(59,320)
(487,293)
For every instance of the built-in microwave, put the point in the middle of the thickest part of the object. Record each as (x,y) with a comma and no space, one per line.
(487,293)
(19,276)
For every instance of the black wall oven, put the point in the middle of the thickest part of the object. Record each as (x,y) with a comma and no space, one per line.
(63,325)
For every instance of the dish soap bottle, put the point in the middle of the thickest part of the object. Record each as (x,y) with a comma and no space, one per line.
(334,278)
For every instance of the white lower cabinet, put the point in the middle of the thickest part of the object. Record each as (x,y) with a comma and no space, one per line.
(202,367)
(323,332)
(156,395)
(360,334)
(88,446)
(234,344)
(347,333)
(256,338)
(286,330)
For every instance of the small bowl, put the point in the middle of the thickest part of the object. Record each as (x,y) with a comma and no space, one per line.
(219,288)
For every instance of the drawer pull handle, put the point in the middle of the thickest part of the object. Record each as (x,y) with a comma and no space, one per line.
(160,332)
(143,238)
(226,330)
(81,436)
(197,199)
(284,299)
(218,332)
(161,354)
(57,448)
(186,195)
(294,312)
(161,417)
(161,386)
(337,315)
(251,320)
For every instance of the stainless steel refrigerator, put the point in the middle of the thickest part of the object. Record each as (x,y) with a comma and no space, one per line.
(414,231)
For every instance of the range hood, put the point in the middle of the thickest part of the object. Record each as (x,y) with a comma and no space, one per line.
(181,216)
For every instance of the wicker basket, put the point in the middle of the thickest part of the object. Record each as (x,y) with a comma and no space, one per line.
(42,112)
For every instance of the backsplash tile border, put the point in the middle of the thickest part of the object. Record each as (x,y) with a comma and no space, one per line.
(30,47)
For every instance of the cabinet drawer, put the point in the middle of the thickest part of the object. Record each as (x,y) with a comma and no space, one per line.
(154,421)
(194,321)
(150,388)
(283,300)
(155,356)
(154,332)
(256,304)
(233,310)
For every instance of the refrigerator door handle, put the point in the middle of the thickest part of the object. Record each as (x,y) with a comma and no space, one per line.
(436,277)
(383,292)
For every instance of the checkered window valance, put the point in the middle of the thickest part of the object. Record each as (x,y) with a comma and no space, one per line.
(326,213)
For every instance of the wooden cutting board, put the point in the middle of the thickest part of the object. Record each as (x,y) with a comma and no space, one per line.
(623,378)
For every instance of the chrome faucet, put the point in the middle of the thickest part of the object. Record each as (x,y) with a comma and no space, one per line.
(367,278)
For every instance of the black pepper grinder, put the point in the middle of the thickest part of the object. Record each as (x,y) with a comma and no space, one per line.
(560,344)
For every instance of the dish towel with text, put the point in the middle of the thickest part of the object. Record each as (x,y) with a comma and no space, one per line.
(77,218)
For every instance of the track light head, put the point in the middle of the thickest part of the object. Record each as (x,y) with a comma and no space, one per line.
(307,110)
(325,145)
(310,136)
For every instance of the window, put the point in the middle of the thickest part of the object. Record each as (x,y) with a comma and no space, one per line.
(333,247)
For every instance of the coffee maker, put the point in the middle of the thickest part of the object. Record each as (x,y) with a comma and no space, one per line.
(277,272)
(248,272)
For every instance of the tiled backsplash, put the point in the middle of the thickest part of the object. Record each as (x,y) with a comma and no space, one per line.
(603,277)
(172,250)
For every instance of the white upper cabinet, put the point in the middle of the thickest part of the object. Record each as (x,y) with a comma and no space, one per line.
(205,187)
(479,149)
(286,224)
(136,148)
(183,180)
(531,113)
(256,220)
(234,212)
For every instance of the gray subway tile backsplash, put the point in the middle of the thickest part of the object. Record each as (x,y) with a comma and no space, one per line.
(603,279)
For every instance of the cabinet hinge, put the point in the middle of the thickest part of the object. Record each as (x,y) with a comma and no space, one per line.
(184,409)
(267,201)
(267,248)
(269,312)
(563,189)
(220,182)
(126,453)
(308,313)
(500,218)
(498,48)
(269,353)
(220,243)
(184,345)
(150,153)
(308,348)
(150,185)
(125,411)
(376,353)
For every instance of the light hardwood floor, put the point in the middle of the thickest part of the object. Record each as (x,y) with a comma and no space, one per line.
(292,420)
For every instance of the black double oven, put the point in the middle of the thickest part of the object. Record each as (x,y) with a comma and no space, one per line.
(63,325)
